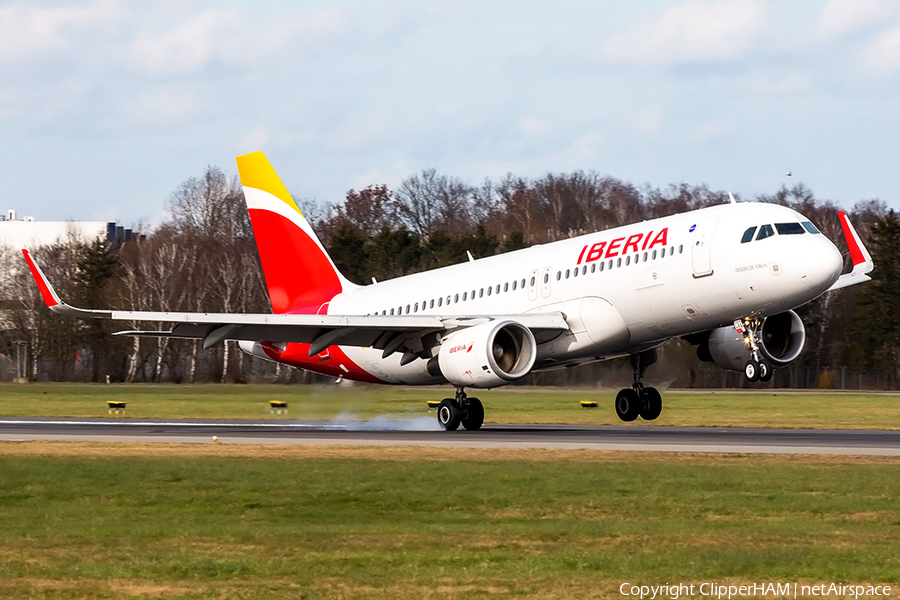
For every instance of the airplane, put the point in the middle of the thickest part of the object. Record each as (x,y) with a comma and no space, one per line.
(725,278)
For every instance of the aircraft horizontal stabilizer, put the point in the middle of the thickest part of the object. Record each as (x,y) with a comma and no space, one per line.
(862,260)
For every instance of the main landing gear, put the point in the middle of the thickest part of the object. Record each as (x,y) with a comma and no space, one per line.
(452,412)
(638,400)
(756,369)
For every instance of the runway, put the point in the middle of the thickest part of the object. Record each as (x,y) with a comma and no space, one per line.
(419,432)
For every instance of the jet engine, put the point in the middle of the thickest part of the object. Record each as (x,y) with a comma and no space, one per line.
(781,341)
(487,355)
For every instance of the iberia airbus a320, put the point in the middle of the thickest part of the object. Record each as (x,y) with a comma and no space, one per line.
(725,278)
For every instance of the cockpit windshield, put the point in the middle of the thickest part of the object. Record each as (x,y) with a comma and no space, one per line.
(782,229)
(789,228)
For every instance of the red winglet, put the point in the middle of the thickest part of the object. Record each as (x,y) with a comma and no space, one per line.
(856,254)
(49,296)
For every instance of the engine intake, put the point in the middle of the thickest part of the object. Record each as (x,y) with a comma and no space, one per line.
(487,355)
(781,340)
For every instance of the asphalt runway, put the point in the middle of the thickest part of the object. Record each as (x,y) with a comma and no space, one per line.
(420,432)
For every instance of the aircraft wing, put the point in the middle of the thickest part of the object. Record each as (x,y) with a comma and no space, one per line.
(862,260)
(388,333)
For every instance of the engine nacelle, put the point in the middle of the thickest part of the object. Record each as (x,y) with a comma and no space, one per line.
(781,341)
(487,355)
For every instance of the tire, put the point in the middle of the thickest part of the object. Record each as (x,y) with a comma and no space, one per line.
(474,418)
(652,405)
(449,414)
(751,371)
(765,371)
(628,405)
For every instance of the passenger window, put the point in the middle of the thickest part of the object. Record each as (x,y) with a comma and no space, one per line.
(416,307)
(810,227)
(627,260)
(764,232)
(575,274)
(514,284)
(789,228)
(584,270)
(407,309)
(431,304)
(609,266)
(489,290)
(680,249)
(455,298)
(481,290)
(748,235)
(465,294)
(558,275)
(594,268)
(497,291)
(546,277)
(440,301)
(523,282)
(392,311)
(602,265)
(645,257)
(619,262)
(654,255)
(506,285)
(567,273)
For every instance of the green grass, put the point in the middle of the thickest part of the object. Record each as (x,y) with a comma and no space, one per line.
(506,405)
(188,523)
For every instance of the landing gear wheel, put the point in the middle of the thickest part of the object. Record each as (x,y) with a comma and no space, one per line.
(652,405)
(449,414)
(474,418)
(752,371)
(765,371)
(628,405)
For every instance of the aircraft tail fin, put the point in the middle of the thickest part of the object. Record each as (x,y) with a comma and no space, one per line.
(300,276)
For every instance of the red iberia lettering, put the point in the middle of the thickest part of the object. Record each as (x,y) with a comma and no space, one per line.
(646,239)
(613,245)
(661,238)
(580,256)
(596,252)
(632,242)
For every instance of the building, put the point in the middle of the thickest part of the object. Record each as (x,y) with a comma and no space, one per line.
(29,233)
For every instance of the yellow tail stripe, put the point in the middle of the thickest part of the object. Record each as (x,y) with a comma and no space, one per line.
(256,172)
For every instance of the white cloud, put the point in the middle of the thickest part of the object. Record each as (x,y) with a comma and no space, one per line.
(883,55)
(844,17)
(694,31)
(28,32)
(533,126)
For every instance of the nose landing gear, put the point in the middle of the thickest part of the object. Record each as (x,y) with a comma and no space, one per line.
(756,369)
(462,410)
(639,401)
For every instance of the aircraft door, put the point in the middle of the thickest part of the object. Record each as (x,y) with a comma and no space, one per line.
(533,285)
(545,282)
(700,249)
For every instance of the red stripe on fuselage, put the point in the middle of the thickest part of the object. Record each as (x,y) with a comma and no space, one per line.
(297,355)
(299,275)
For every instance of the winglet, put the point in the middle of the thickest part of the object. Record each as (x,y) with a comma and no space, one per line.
(51,298)
(862,260)
(47,291)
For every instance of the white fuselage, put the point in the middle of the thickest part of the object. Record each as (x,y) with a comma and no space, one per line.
(621,290)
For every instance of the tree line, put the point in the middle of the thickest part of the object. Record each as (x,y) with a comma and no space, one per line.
(202,257)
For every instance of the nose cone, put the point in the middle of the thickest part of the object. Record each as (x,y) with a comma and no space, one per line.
(822,264)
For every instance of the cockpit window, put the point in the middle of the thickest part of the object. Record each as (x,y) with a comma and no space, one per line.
(748,235)
(789,228)
(810,227)
(764,232)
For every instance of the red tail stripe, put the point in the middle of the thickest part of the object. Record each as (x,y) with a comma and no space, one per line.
(46,294)
(855,252)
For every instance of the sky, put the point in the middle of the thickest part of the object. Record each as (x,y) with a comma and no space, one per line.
(106,106)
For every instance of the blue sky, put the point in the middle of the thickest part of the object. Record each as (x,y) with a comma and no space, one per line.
(106,106)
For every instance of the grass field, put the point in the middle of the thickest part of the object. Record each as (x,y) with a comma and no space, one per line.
(506,405)
(159,521)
